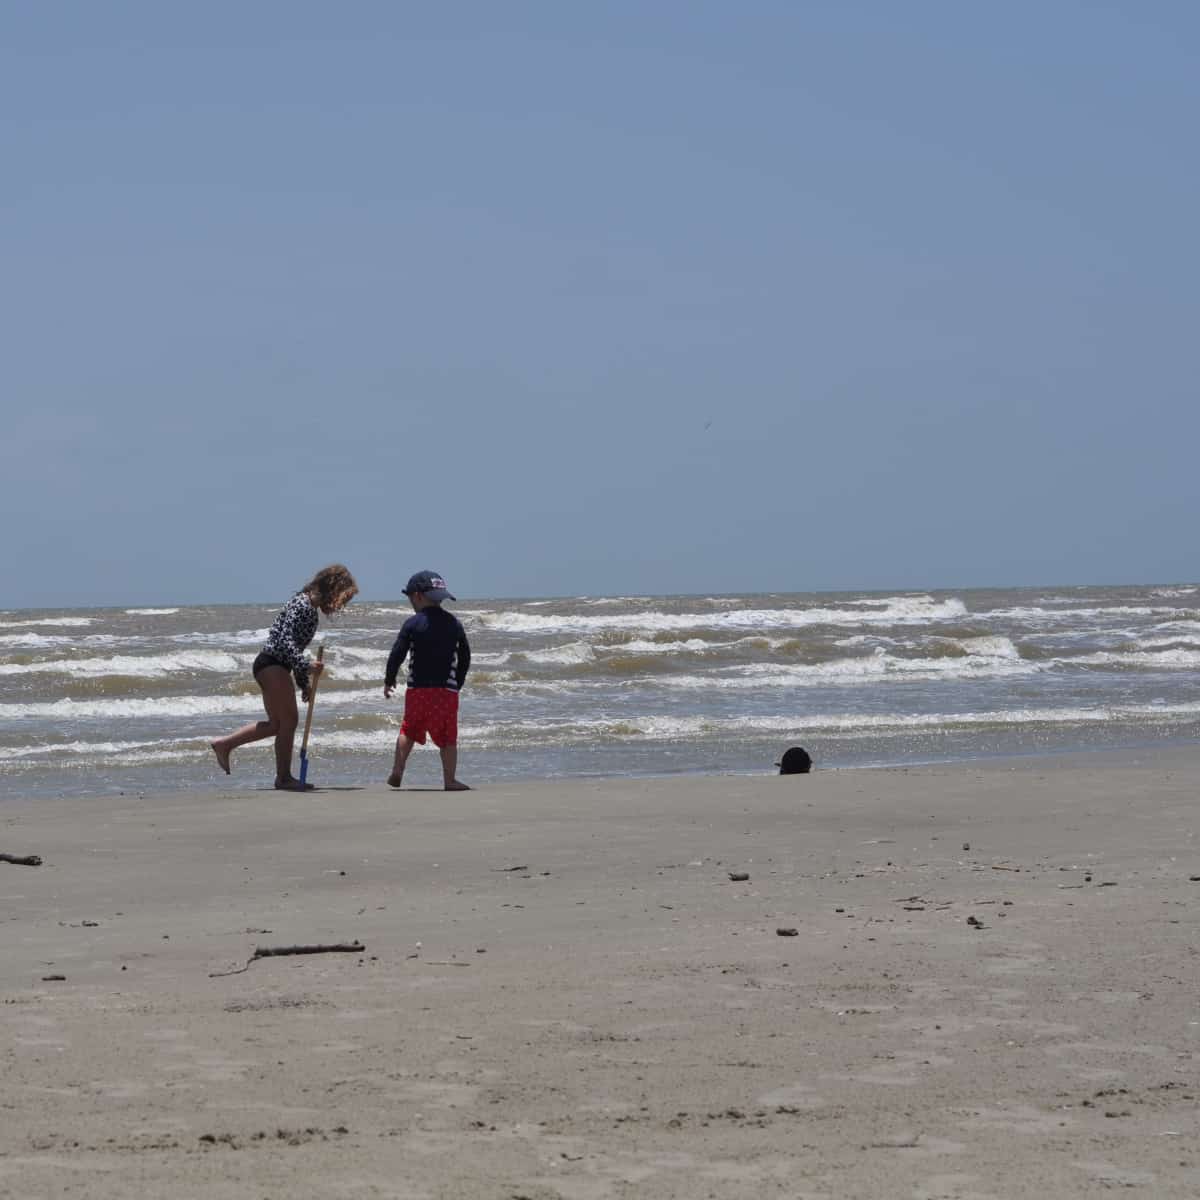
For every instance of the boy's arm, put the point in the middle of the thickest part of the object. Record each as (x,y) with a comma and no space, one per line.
(463,659)
(399,649)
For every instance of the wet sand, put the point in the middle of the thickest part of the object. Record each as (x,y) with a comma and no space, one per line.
(993,989)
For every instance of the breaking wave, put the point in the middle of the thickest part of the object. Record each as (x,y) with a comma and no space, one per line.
(65,622)
(131,666)
(910,610)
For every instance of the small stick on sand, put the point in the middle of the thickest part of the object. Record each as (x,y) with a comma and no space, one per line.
(29,860)
(276,951)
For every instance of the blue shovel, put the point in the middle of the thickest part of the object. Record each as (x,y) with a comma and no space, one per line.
(312,697)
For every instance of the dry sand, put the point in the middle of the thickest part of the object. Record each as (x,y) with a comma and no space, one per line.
(564,995)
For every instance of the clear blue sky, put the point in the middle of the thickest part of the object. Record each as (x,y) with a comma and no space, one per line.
(614,297)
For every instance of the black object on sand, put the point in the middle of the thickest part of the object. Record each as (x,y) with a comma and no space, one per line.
(795,761)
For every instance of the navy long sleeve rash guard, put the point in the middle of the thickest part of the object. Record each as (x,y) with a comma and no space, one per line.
(441,654)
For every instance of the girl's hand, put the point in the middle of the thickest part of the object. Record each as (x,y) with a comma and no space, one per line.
(315,671)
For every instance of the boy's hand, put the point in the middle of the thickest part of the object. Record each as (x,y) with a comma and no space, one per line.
(387,692)
(315,670)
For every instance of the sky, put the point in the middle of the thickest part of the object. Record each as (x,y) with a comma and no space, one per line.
(612,298)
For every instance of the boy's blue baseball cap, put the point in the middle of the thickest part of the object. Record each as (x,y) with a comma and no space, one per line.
(430,585)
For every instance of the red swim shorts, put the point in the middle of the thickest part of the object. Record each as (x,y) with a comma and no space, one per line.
(432,711)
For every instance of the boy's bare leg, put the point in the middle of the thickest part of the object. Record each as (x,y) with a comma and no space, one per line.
(449,767)
(404,745)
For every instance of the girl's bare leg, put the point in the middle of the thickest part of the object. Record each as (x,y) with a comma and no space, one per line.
(279,699)
(279,695)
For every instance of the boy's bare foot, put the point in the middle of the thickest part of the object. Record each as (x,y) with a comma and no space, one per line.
(395,780)
(222,756)
(456,786)
(293,785)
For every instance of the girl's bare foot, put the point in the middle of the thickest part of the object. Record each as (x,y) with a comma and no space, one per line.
(455,786)
(395,780)
(222,756)
(293,785)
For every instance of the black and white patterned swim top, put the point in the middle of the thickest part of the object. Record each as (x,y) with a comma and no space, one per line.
(291,631)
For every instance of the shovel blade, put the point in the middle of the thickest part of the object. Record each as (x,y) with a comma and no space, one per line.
(303,767)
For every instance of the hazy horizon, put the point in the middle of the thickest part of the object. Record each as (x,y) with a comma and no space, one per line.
(399,598)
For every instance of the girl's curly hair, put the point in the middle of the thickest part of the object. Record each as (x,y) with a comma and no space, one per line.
(332,587)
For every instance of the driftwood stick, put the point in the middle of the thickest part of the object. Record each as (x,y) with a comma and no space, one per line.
(28,860)
(338,948)
(275,951)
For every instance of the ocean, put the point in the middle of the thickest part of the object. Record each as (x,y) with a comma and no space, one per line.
(127,699)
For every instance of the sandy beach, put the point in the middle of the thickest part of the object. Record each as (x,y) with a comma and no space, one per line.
(992,989)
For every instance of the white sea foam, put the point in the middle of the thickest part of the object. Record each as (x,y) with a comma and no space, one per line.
(690,646)
(570,655)
(151,612)
(667,728)
(1191,638)
(240,637)
(90,749)
(1185,627)
(638,728)
(34,641)
(900,610)
(990,647)
(160,707)
(1175,660)
(145,667)
(65,622)
(868,669)
(1041,616)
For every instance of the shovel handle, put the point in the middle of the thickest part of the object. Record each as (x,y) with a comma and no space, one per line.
(312,697)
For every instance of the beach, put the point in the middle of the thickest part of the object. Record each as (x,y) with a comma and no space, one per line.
(991,989)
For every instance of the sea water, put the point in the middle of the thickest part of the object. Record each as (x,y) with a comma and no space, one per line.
(128,699)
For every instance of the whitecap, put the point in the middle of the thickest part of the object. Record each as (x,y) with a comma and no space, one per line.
(867,669)
(685,728)
(146,667)
(66,622)
(159,707)
(901,610)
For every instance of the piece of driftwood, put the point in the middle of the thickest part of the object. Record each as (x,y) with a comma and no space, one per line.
(27,860)
(278,951)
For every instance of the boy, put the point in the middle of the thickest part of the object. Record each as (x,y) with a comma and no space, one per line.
(441,657)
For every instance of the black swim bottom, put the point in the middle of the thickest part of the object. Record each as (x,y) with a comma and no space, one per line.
(266,660)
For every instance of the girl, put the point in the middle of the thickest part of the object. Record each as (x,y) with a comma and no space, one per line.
(329,591)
